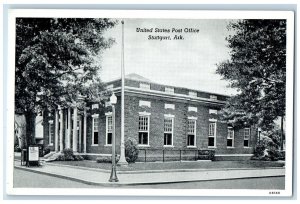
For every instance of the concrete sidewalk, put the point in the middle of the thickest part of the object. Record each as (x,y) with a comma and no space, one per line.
(94,176)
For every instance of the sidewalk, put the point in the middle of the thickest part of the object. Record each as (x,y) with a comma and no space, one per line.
(100,177)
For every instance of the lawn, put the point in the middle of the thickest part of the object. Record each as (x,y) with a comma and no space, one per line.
(172,165)
(176,165)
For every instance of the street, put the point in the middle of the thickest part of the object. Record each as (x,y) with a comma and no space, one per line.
(26,179)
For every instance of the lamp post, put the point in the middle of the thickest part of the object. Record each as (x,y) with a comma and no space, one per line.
(113,174)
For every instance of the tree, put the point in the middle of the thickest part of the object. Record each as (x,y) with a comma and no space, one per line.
(55,63)
(20,131)
(257,69)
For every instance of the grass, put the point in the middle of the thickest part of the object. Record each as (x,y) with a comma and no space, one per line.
(175,165)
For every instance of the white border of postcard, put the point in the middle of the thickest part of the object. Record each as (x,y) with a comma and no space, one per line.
(155,14)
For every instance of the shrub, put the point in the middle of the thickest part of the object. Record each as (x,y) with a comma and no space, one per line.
(206,154)
(106,159)
(273,154)
(266,158)
(77,157)
(17,148)
(131,150)
(282,155)
(46,150)
(212,155)
(69,155)
(267,151)
(259,150)
(61,157)
(88,157)
(275,140)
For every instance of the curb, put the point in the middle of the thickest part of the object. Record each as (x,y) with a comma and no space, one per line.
(117,184)
(161,171)
(192,170)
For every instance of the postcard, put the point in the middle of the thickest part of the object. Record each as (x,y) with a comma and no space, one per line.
(154,103)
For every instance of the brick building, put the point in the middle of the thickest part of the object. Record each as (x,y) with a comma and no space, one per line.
(158,117)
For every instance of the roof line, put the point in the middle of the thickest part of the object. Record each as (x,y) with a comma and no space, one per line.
(171,86)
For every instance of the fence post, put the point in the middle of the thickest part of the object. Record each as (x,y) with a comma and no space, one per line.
(180,155)
(145,156)
(163,155)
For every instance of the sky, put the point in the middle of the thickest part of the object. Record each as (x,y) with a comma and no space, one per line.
(190,62)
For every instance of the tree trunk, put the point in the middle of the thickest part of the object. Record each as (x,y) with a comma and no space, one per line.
(281,139)
(30,127)
(22,137)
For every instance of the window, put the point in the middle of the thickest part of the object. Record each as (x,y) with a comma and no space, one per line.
(190,109)
(145,86)
(169,90)
(145,103)
(191,138)
(246,137)
(51,132)
(230,137)
(168,131)
(212,134)
(213,111)
(109,128)
(144,130)
(95,129)
(193,93)
(169,106)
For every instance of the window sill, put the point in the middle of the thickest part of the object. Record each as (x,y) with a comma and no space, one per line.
(168,146)
(191,146)
(230,147)
(107,145)
(50,144)
(247,147)
(141,145)
(94,145)
(212,147)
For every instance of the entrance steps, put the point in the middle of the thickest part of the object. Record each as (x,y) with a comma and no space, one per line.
(52,156)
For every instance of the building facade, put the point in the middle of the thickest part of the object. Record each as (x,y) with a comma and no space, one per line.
(158,117)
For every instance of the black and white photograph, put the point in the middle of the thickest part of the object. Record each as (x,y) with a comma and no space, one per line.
(164,103)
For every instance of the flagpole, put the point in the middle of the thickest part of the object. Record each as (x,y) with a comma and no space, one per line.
(122,160)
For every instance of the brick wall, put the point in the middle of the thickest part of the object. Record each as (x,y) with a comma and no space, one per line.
(238,144)
(157,110)
(181,114)
(102,148)
(156,133)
